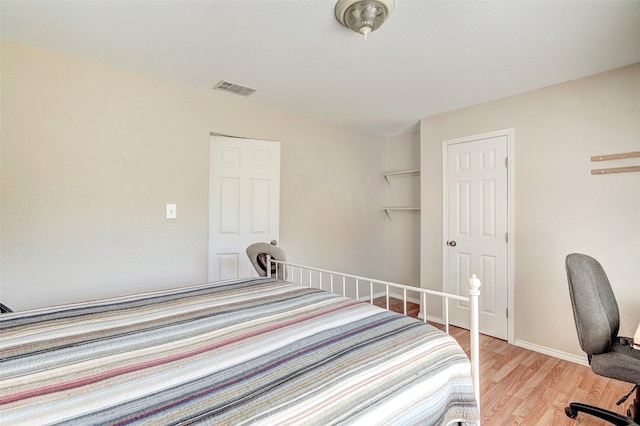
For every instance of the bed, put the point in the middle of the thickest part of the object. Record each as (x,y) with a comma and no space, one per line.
(260,350)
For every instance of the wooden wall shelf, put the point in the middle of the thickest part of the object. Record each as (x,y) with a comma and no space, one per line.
(615,170)
(610,157)
(634,154)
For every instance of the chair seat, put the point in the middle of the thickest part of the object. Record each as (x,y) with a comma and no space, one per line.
(621,363)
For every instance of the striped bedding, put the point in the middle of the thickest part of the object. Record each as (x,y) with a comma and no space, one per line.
(253,351)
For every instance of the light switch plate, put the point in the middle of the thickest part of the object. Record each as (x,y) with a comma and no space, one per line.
(171,211)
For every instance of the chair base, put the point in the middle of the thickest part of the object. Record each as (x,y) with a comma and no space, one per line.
(614,418)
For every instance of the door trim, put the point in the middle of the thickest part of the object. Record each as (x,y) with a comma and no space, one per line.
(509,133)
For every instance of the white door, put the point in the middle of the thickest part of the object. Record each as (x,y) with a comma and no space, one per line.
(476,225)
(244,202)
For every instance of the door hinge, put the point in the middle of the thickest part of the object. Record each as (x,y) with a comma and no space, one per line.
(506,161)
(506,314)
(506,237)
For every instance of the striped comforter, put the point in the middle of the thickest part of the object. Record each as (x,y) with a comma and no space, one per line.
(255,351)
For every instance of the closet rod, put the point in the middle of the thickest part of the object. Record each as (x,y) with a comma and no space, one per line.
(633,154)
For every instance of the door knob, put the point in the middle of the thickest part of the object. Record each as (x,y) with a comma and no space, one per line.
(451,243)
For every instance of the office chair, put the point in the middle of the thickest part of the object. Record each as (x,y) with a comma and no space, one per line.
(597,320)
(258,252)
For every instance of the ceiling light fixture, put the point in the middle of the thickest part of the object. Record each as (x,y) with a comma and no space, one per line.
(363,16)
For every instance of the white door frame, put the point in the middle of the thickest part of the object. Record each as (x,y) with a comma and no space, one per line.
(510,218)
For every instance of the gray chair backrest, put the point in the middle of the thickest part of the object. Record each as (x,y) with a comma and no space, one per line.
(595,309)
(258,252)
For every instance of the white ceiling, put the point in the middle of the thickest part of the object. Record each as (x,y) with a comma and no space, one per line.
(429,57)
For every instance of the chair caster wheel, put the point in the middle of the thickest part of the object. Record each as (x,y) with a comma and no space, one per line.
(570,412)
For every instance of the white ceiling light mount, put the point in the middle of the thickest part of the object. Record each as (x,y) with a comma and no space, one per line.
(363,16)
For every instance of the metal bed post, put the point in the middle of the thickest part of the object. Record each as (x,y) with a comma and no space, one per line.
(404,300)
(474,334)
(446,314)
(387,297)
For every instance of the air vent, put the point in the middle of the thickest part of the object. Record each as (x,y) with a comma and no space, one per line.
(226,86)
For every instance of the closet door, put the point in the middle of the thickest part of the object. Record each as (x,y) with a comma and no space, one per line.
(244,202)
(476,226)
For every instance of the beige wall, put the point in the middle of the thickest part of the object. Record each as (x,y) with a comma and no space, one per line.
(91,155)
(559,206)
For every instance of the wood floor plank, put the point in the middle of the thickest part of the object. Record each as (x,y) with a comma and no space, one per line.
(522,387)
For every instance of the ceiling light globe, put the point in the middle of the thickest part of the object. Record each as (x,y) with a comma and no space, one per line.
(363,16)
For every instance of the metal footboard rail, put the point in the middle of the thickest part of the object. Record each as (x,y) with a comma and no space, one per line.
(338,281)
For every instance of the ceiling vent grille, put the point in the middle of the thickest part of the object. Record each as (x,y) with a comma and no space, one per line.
(226,86)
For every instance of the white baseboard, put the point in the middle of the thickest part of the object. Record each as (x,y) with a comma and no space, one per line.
(552,352)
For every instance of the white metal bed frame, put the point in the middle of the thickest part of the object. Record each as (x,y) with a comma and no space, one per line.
(306,273)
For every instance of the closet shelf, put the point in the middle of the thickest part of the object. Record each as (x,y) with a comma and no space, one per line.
(389,209)
(400,173)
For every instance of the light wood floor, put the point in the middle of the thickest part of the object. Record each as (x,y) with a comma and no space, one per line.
(522,387)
